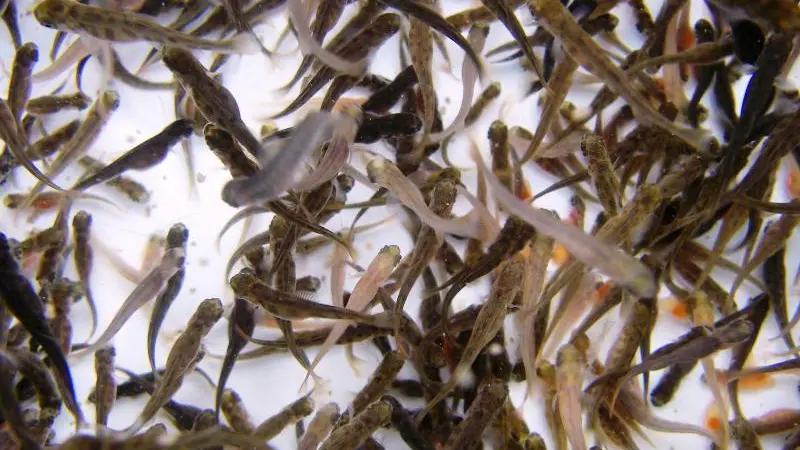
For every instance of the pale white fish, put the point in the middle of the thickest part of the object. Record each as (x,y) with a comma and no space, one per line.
(673,84)
(480,214)
(336,156)
(309,45)
(66,61)
(387,175)
(469,76)
(367,287)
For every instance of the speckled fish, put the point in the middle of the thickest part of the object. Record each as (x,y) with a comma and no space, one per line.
(293,412)
(129,187)
(512,238)
(181,360)
(320,426)
(289,306)
(602,173)
(420,44)
(358,430)
(20,83)
(428,240)
(213,100)
(235,413)
(51,104)
(124,26)
(105,386)
(488,402)
(381,378)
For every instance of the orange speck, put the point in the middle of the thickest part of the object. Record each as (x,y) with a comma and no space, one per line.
(793,183)
(44,204)
(524,191)
(713,420)
(757,381)
(560,254)
(574,216)
(677,308)
(447,350)
(659,83)
(602,291)
(685,37)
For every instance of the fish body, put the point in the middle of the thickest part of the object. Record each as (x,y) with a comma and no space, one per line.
(124,26)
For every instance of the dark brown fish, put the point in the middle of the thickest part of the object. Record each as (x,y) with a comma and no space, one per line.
(142,157)
(23,302)
(105,386)
(20,84)
(240,328)
(212,99)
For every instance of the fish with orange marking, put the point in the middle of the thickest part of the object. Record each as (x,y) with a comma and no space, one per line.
(677,307)
(685,37)
(712,419)
(793,177)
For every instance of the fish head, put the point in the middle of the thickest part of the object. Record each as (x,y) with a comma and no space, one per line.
(209,310)
(232,192)
(375,168)
(50,13)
